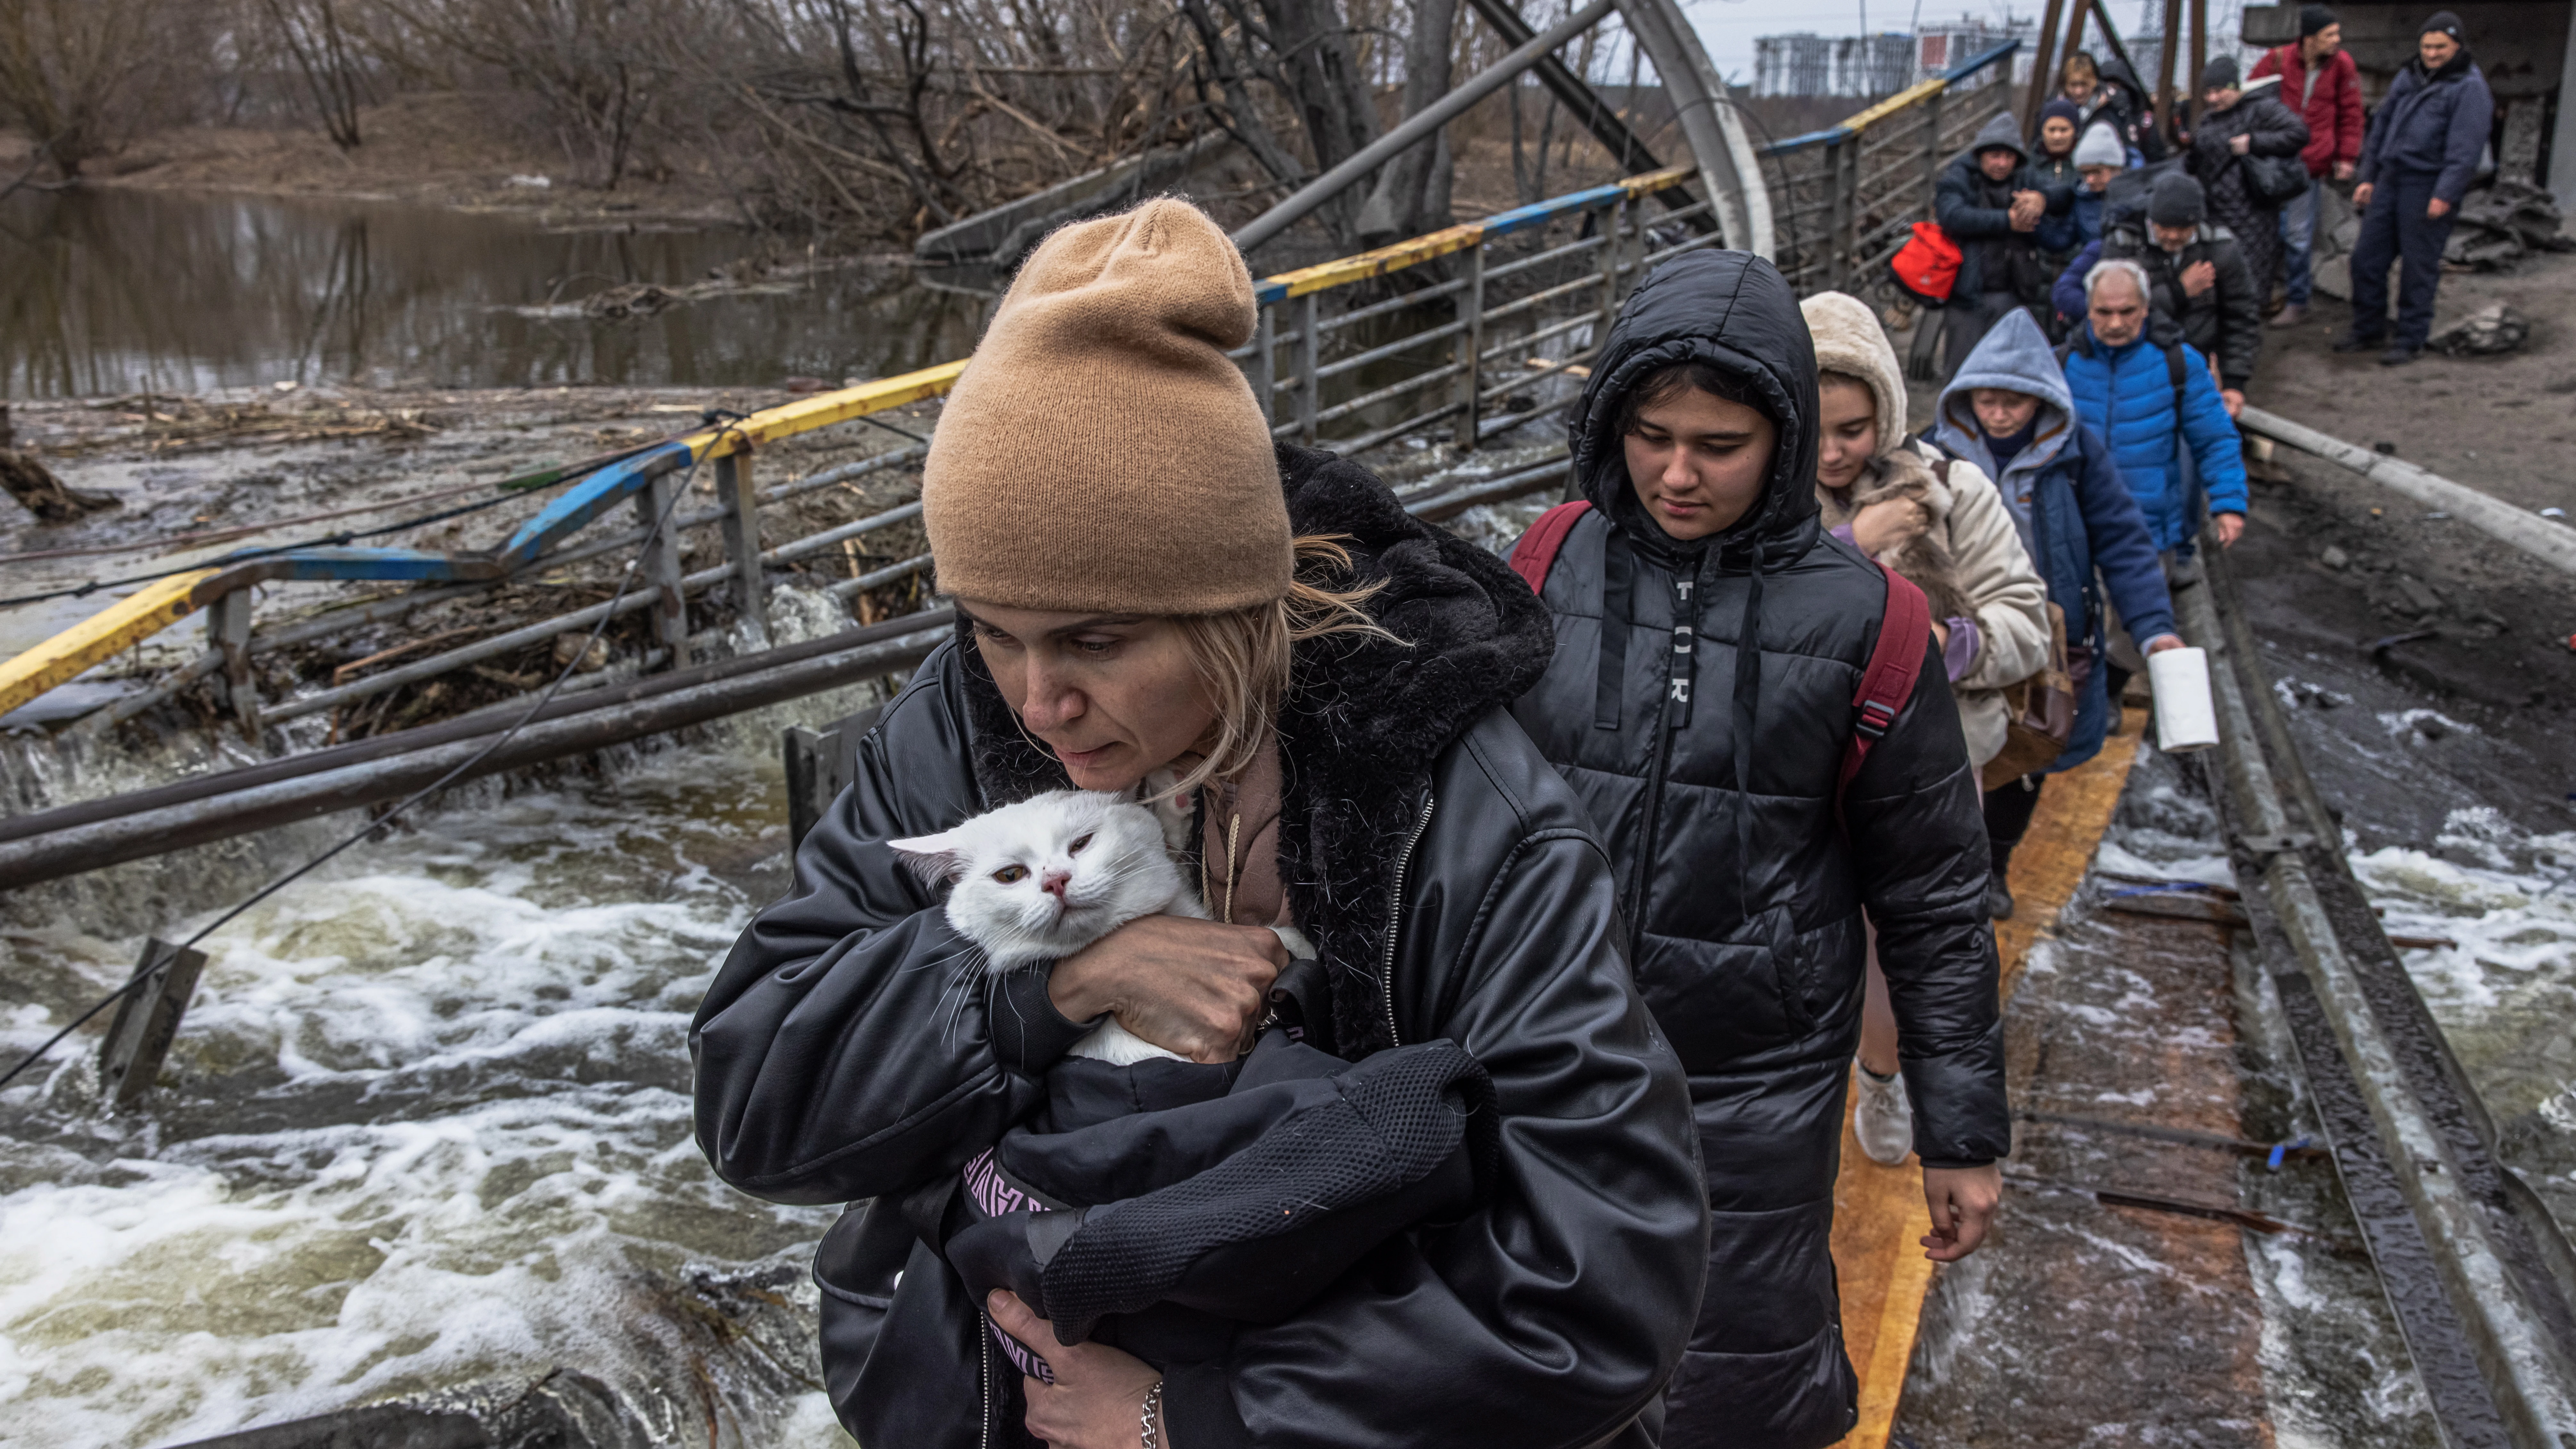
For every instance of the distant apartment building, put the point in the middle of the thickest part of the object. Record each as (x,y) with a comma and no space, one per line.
(1939,45)
(1832,65)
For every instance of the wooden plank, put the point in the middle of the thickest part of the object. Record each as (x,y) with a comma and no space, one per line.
(1879,1214)
(121,625)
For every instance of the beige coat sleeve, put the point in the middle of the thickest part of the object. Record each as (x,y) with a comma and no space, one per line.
(1995,573)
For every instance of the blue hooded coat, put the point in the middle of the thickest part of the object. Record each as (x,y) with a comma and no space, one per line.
(2074,513)
(2127,395)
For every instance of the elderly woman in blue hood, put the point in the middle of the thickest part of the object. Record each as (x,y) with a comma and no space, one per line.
(1710,638)
(2009,412)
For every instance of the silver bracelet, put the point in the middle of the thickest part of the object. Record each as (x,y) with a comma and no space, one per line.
(1151,1419)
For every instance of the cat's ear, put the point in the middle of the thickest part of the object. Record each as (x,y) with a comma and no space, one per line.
(937,859)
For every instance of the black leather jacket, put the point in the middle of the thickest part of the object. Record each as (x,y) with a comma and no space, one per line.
(1447,877)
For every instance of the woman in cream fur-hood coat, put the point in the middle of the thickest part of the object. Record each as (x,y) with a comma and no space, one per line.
(1970,562)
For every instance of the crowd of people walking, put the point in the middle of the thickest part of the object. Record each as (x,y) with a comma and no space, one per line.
(1487,1087)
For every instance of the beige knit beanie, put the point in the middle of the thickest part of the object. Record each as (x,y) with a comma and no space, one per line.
(1100,453)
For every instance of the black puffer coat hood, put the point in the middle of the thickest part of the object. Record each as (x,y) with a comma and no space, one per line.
(1699,702)
(849,1049)
(1735,312)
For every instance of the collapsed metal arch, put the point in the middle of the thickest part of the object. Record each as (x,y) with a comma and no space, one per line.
(1715,134)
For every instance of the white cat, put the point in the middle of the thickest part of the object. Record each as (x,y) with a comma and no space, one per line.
(1042,879)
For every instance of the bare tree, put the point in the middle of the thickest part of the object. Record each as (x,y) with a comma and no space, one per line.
(328,55)
(1412,193)
(70,68)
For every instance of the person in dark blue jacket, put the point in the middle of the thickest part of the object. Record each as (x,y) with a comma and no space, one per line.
(1991,201)
(2417,160)
(2149,396)
(2010,413)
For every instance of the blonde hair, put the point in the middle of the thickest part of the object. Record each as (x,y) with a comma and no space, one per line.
(1243,655)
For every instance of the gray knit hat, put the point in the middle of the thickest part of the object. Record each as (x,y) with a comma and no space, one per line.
(2100,147)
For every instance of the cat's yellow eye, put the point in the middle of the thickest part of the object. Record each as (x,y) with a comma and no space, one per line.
(1011,874)
(1076,847)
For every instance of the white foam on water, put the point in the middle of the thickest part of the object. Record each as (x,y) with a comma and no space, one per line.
(457,1066)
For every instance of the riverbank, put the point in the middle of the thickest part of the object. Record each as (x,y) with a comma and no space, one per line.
(470,150)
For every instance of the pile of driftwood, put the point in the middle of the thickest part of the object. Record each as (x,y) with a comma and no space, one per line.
(162,423)
(2502,223)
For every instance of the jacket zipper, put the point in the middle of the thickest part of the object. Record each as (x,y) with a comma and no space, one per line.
(984,1378)
(1395,918)
(1646,828)
(1654,803)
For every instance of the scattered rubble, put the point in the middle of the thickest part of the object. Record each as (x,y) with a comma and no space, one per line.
(2490,329)
(2502,223)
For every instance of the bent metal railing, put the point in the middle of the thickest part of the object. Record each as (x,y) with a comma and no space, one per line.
(1845,198)
(1359,376)
(1486,328)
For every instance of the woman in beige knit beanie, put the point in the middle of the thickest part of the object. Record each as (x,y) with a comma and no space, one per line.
(1941,523)
(1156,601)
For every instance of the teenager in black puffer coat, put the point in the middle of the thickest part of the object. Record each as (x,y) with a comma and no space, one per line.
(1712,776)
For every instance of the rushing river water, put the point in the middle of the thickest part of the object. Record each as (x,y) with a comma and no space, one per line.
(113,291)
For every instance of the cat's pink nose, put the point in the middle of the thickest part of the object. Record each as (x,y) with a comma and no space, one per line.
(1053,882)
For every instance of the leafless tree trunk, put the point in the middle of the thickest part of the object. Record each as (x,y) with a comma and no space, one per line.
(1403,203)
(69,68)
(335,73)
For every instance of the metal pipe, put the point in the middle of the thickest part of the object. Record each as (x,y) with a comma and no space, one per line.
(1452,502)
(132,836)
(490,720)
(1585,104)
(1396,348)
(879,578)
(1419,380)
(2524,1372)
(1416,128)
(2550,542)
(814,543)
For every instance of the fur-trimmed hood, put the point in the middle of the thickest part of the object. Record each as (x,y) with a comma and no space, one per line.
(1850,341)
(1364,719)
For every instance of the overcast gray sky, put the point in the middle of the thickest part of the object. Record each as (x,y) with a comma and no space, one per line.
(1728,27)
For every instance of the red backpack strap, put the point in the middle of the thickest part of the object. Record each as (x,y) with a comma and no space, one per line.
(1888,682)
(1536,553)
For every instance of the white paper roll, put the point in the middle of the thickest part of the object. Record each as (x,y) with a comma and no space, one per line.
(2186,718)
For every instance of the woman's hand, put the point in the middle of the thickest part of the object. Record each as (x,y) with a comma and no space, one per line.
(2163,642)
(1889,523)
(1098,1398)
(1193,987)
(1962,1200)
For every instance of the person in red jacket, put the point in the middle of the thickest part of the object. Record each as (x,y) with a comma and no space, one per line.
(2319,82)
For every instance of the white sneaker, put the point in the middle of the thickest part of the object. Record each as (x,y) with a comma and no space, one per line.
(1883,1119)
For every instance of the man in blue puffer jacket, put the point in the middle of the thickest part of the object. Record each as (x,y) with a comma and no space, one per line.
(2149,395)
(2009,413)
